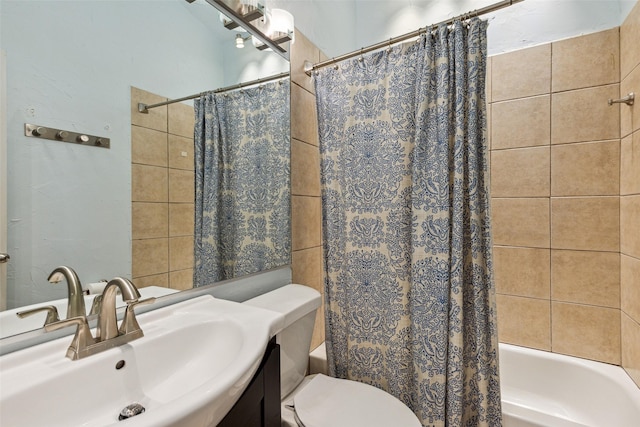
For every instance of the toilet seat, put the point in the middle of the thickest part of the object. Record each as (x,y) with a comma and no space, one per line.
(331,402)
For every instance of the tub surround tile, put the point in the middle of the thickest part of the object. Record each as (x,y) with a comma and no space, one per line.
(630,286)
(524,321)
(181,186)
(522,172)
(586,169)
(522,271)
(521,122)
(630,164)
(630,115)
(631,347)
(148,146)
(181,280)
(162,231)
(630,205)
(522,73)
(487,85)
(521,222)
(585,61)
(304,51)
(150,257)
(306,225)
(304,120)
(629,225)
(592,301)
(318,330)
(308,268)
(149,220)
(181,219)
(181,153)
(161,280)
(586,331)
(305,169)
(585,223)
(586,277)
(180,253)
(156,118)
(489,130)
(629,36)
(584,115)
(149,183)
(181,120)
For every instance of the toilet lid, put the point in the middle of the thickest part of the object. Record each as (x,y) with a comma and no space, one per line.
(331,402)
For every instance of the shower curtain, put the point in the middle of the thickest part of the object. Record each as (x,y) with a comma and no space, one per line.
(242,182)
(408,287)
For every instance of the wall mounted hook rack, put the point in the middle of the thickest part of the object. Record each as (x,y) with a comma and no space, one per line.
(43,132)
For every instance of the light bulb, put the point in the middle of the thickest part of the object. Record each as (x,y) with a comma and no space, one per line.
(239,41)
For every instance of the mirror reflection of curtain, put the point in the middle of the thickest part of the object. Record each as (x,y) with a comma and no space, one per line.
(242,152)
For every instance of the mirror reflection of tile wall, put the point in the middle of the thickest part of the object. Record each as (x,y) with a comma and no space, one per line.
(162,188)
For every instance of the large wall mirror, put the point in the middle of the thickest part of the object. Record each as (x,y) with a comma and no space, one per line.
(73,66)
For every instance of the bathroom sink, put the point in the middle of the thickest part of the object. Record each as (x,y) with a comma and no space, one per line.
(191,366)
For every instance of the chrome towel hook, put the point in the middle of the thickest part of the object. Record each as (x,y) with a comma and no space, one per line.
(629,99)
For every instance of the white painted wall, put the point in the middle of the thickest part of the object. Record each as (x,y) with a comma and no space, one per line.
(70,65)
(338,27)
(3,180)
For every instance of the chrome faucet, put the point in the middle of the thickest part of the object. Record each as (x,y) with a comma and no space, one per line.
(75,306)
(108,335)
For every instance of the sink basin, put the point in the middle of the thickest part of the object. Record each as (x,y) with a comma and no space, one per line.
(192,365)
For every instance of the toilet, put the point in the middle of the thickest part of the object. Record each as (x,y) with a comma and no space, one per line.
(319,400)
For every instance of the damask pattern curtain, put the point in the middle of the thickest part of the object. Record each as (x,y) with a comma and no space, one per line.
(409,287)
(242,168)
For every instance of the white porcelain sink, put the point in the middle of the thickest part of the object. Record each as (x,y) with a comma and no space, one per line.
(192,365)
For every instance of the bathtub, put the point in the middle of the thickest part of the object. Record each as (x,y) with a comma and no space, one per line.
(542,389)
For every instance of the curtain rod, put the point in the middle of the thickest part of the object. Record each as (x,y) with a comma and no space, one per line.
(309,67)
(144,108)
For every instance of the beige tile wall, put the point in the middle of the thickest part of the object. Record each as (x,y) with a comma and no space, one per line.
(630,195)
(555,181)
(162,191)
(306,210)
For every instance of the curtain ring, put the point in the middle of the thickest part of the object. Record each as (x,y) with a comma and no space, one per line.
(361,54)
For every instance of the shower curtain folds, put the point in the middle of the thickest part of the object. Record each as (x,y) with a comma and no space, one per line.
(410,302)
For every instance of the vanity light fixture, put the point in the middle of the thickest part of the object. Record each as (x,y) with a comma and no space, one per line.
(268,31)
(280,31)
(240,40)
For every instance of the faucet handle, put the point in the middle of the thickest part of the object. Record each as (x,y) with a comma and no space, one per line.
(96,305)
(52,313)
(130,323)
(82,339)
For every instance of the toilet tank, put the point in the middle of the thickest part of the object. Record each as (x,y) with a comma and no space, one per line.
(298,304)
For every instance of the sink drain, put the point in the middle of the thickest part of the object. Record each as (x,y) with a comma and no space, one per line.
(131,411)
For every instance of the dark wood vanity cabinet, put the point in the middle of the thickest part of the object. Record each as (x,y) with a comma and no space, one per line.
(259,405)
